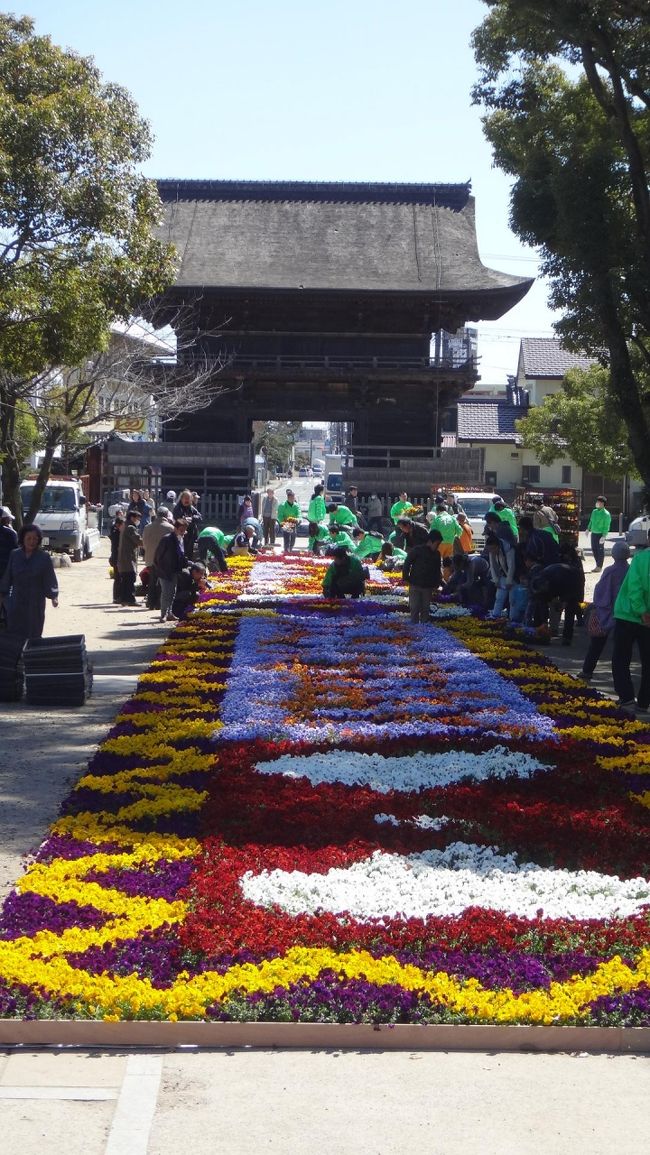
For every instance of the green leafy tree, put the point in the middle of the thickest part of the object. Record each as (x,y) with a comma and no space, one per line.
(77,219)
(276,440)
(566,88)
(582,423)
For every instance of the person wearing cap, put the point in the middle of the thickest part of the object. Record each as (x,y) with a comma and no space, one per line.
(127,557)
(599,525)
(151,535)
(289,519)
(601,619)
(171,496)
(344,577)
(544,517)
(114,537)
(504,512)
(246,541)
(8,537)
(422,573)
(632,624)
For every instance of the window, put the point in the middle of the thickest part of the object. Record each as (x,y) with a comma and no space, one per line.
(530,474)
(566,475)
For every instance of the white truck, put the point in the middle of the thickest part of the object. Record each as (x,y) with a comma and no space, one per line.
(333,477)
(66,522)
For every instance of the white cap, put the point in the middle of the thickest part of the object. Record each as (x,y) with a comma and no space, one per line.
(6,512)
(171,496)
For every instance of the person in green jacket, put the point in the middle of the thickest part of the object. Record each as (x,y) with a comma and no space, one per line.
(322,539)
(632,624)
(316,513)
(599,523)
(447,526)
(505,513)
(341,515)
(398,508)
(344,577)
(366,544)
(289,516)
(213,542)
(339,535)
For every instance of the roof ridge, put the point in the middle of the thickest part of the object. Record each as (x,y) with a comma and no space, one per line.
(450,195)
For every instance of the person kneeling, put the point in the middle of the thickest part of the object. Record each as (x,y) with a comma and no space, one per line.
(344,577)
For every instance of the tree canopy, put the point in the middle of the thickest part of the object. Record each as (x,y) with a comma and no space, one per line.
(77,243)
(580,422)
(566,88)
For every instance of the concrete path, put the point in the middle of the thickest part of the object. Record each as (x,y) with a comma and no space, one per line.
(243,1101)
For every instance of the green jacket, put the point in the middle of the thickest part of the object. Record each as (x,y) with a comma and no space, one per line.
(633,599)
(599,522)
(344,516)
(367,546)
(398,508)
(288,509)
(317,509)
(339,537)
(352,578)
(508,515)
(447,525)
(213,534)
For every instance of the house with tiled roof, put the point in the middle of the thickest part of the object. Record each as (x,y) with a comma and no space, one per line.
(489,423)
(543,363)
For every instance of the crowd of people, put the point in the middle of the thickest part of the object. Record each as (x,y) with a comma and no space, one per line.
(524,572)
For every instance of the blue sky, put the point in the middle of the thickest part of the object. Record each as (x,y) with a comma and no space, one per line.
(297,90)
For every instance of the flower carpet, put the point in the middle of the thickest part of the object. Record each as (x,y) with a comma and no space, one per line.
(315,811)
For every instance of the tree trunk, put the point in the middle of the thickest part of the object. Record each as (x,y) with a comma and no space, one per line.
(624,385)
(43,475)
(8,455)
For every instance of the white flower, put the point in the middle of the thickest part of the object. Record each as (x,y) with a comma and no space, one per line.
(417,771)
(446,882)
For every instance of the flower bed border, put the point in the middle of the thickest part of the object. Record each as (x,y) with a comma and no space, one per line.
(91,1033)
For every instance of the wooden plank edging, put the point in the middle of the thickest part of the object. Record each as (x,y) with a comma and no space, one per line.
(322,1036)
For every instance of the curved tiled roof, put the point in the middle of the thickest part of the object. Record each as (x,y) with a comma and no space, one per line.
(248,235)
(488,419)
(545,357)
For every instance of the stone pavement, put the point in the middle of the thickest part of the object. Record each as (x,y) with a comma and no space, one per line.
(242,1101)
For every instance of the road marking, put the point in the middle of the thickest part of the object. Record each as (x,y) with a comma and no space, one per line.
(136,1106)
(87,1093)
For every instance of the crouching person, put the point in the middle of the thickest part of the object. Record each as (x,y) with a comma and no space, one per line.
(190,584)
(345,576)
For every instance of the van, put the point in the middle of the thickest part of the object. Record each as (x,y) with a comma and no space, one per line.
(475,503)
(63,517)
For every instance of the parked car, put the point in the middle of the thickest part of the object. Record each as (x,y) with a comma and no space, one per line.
(302,472)
(637,532)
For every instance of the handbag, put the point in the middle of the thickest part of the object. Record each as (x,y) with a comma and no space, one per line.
(594,628)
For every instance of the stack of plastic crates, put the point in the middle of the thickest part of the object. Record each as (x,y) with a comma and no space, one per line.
(57,671)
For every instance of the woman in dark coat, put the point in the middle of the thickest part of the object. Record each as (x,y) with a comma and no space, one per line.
(184,508)
(27,581)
